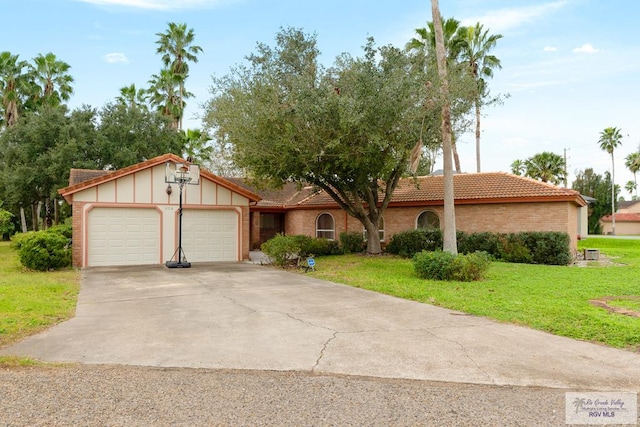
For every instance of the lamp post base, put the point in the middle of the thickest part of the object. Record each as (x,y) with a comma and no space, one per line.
(177,264)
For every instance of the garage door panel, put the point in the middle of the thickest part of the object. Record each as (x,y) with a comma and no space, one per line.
(123,236)
(210,235)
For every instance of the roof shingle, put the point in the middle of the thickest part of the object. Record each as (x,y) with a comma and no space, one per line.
(490,187)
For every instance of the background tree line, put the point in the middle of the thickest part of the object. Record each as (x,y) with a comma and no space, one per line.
(41,139)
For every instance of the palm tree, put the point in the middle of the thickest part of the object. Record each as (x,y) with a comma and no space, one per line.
(13,84)
(518,167)
(453,43)
(177,49)
(546,166)
(163,95)
(475,51)
(632,162)
(132,97)
(630,186)
(449,234)
(52,80)
(610,139)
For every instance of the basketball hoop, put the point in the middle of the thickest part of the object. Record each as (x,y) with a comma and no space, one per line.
(181,174)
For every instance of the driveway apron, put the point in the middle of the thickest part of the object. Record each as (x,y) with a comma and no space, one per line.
(245,316)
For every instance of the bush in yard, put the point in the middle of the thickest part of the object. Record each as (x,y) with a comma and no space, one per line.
(513,248)
(352,242)
(282,249)
(439,265)
(551,248)
(6,224)
(319,246)
(63,229)
(480,241)
(18,238)
(45,251)
(410,242)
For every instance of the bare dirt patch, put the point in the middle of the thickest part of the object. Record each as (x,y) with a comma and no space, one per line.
(603,302)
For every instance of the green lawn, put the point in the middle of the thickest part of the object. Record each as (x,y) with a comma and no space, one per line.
(32,301)
(549,298)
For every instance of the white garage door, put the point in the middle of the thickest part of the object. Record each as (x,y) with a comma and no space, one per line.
(123,236)
(210,235)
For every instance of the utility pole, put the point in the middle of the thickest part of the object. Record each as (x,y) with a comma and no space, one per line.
(565,167)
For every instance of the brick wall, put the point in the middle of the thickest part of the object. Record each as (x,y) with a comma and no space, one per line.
(498,218)
(77,236)
(245,232)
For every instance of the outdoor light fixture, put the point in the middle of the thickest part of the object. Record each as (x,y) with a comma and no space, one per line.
(169,190)
(181,174)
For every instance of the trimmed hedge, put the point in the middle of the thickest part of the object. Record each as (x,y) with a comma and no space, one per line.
(352,242)
(551,248)
(438,265)
(410,242)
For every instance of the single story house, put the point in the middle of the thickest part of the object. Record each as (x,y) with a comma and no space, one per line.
(128,217)
(627,219)
(492,201)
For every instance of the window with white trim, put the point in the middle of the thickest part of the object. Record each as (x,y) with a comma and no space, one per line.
(428,220)
(325,226)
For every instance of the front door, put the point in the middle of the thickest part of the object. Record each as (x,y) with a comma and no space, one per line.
(270,225)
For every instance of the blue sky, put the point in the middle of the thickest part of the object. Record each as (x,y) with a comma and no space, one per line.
(571,67)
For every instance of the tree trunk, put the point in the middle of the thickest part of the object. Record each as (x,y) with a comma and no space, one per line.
(56,218)
(23,220)
(36,207)
(449,232)
(477,136)
(48,222)
(373,238)
(456,157)
(613,197)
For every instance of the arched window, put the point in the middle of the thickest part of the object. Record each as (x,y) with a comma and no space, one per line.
(428,220)
(325,226)
(380,230)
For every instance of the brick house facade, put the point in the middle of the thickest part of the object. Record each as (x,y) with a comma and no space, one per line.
(494,202)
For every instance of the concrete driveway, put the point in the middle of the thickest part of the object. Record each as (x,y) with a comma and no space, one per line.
(245,316)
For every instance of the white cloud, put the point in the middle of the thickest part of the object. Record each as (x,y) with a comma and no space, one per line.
(158,4)
(550,48)
(505,19)
(115,57)
(586,48)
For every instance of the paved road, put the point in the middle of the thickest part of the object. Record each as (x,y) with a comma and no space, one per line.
(98,395)
(244,316)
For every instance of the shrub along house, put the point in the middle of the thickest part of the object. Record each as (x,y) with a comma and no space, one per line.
(495,202)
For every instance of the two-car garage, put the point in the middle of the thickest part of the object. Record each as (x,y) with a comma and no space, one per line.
(133,236)
(131,217)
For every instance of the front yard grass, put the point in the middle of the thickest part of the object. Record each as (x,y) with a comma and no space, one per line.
(549,298)
(32,301)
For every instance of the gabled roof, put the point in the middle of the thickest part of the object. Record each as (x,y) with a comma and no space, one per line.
(472,188)
(81,175)
(289,195)
(627,204)
(97,177)
(622,217)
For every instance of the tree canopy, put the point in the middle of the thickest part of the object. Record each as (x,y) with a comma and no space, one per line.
(348,129)
(545,166)
(589,183)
